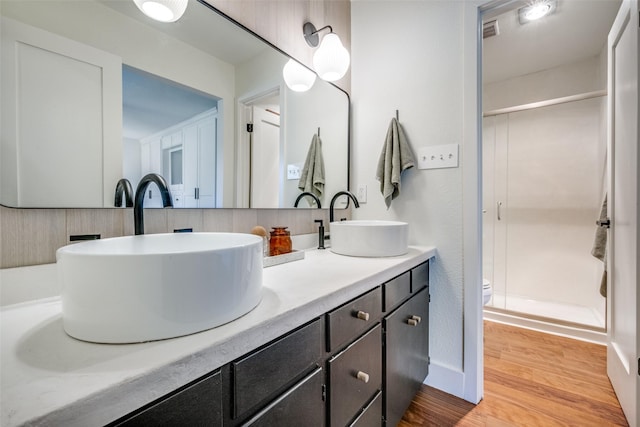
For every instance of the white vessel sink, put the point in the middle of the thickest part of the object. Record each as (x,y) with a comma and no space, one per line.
(150,287)
(369,238)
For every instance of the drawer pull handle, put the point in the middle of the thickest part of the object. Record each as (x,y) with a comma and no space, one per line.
(362,376)
(412,322)
(417,318)
(362,315)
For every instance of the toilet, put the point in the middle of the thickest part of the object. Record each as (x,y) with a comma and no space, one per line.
(486,291)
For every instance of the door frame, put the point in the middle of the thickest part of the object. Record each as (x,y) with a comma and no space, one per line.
(242,147)
(618,371)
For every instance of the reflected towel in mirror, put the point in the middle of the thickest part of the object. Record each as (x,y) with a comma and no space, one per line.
(396,157)
(312,176)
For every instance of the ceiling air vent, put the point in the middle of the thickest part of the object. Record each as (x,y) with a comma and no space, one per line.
(490,29)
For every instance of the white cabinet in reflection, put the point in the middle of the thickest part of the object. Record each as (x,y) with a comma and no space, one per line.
(200,163)
(61,120)
(185,155)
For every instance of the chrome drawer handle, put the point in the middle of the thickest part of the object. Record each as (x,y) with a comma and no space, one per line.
(362,315)
(412,322)
(362,376)
(416,318)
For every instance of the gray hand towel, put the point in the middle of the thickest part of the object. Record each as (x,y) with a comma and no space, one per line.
(396,157)
(312,176)
(600,247)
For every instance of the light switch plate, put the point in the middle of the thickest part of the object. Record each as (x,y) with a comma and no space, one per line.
(438,156)
(293,171)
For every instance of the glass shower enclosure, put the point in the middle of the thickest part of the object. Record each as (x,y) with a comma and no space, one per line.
(544,180)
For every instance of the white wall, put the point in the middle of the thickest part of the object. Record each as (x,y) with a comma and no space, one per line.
(570,79)
(408,55)
(321,108)
(131,153)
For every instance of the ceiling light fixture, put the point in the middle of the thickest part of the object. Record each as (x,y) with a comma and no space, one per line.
(298,77)
(331,59)
(536,11)
(162,10)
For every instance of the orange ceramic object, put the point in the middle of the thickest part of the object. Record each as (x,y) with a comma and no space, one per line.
(280,241)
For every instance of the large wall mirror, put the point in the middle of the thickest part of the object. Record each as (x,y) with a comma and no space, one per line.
(94,91)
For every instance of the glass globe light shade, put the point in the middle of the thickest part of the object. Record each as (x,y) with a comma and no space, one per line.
(331,60)
(297,77)
(162,10)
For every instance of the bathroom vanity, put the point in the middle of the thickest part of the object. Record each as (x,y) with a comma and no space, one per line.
(336,341)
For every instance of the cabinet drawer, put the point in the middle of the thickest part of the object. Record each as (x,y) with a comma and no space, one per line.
(406,354)
(355,375)
(420,277)
(198,404)
(353,318)
(371,415)
(302,405)
(396,290)
(272,369)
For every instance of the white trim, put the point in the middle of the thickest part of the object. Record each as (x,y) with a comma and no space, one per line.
(582,334)
(473,367)
(446,379)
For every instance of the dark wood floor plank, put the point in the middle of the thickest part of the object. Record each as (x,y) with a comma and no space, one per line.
(531,379)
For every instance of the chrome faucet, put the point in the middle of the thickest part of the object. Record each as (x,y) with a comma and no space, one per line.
(333,200)
(123,187)
(138,220)
(306,193)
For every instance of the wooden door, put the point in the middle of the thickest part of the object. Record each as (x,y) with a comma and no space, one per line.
(623,274)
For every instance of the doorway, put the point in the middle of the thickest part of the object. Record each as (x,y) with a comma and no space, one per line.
(260,152)
(544,158)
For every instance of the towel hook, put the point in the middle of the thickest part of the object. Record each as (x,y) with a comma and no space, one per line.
(397,115)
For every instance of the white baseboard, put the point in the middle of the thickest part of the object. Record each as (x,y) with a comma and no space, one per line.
(568,331)
(446,379)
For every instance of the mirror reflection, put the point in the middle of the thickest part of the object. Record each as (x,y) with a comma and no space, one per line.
(94,92)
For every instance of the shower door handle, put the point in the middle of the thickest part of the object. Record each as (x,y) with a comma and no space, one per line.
(498,211)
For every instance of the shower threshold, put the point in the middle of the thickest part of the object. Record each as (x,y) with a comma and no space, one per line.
(572,321)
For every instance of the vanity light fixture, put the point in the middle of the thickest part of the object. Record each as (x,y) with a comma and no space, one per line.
(331,59)
(536,10)
(162,10)
(298,77)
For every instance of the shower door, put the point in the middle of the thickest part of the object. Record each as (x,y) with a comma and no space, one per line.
(544,170)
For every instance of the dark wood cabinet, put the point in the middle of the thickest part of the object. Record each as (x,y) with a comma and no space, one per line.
(396,291)
(302,405)
(355,376)
(353,318)
(359,365)
(199,404)
(262,375)
(406,349)
(371,415)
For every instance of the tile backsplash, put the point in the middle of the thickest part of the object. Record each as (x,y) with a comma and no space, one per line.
(32,236)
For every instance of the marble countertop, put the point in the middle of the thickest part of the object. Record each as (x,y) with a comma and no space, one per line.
(49,378)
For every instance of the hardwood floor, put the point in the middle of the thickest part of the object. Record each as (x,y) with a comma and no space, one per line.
(530,379)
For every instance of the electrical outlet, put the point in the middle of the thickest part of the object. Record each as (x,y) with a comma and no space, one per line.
(362,194)
(438,156)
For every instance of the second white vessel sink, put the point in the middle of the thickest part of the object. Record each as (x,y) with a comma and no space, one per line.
(369,238)
(156,286)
